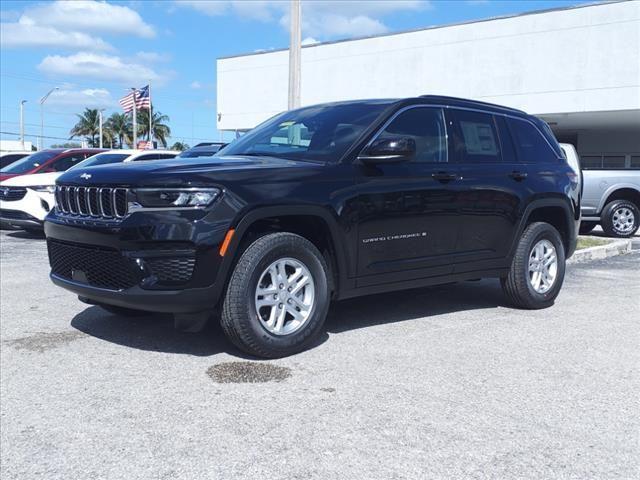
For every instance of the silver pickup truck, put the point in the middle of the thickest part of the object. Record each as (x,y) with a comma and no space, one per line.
(610,196)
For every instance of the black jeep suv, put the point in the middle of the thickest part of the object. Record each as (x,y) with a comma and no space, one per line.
(324,202)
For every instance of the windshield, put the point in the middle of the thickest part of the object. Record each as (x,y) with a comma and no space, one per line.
(321,133)
(29,163)
(102,159)
(200,152)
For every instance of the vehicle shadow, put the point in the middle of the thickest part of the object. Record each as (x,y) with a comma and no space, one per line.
(156,332)
(405,305)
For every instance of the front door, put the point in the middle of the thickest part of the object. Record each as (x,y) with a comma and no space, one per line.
(406,211)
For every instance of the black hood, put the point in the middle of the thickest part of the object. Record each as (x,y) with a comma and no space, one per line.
(177,172)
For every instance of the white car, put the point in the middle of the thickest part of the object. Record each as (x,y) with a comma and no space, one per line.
(7,158)
(25,200)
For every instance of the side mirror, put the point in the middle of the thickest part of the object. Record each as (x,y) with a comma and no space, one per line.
(388,150)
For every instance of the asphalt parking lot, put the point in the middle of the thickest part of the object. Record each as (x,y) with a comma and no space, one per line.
(444,382)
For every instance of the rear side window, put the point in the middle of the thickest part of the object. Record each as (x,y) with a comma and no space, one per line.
(474,137)
(532,146)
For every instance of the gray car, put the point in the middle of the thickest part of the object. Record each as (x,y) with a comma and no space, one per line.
(610,192)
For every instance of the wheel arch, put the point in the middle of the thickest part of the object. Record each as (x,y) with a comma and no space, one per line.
(556,212)
(620,192)
(315,224)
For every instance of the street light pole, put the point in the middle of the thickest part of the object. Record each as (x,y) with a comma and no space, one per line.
(22,102)
(42,100)
(295,55)
(135,126)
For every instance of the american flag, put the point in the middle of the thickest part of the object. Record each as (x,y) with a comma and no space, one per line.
(142,99)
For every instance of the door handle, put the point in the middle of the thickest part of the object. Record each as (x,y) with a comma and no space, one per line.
(444,176)
(518,176)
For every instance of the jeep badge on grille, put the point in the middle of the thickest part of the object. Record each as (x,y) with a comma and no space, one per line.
(86,176)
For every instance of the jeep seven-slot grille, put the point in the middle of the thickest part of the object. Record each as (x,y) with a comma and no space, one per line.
(96,202)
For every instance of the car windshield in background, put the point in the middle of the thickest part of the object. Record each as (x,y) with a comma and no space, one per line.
(200,152)
(320,133)
(29,163)
(103,159)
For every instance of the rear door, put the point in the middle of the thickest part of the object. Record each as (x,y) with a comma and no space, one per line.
(490,190)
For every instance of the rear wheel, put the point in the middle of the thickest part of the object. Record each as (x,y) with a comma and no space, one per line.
(278,296)
(587,227)
(537,269)
(620,218)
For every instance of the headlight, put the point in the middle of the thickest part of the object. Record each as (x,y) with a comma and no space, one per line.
(43,188)
(175,197)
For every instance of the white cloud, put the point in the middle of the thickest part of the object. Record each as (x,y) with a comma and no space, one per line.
(72,25)
(323,19)
(152,57)
(13,35)
(309,41)
(101,67)
(69,96)
(90,16)
(196,85)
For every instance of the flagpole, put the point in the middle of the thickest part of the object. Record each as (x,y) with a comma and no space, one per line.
(150,117)
(135,127)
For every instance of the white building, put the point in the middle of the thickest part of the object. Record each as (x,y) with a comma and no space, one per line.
(578,68)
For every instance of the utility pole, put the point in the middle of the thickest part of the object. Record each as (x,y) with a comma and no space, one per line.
(295,55)
(135,126)
(22,102)
(100,122)
(42,100)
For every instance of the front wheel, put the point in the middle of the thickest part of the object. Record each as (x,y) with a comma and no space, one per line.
(537,269)
(620,218)
(278,296)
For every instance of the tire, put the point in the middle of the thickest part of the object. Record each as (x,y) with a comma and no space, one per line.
(620,218)
(124,312)
(587,227)
(518,285)
(247,326)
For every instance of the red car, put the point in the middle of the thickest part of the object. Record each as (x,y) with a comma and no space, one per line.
(45,161)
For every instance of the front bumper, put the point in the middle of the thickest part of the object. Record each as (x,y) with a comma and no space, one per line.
(28,212)
(155,261)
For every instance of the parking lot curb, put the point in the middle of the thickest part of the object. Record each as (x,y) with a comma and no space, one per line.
(616,247)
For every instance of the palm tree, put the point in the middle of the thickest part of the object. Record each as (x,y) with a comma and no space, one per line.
(119,125)
(160,129)
(180,146)
(88,126)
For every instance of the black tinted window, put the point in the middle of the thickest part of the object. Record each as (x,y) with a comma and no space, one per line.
(65,163)
(29,163)
(473,137)
(532,146)
(426,127)
(506,142)
(10,158)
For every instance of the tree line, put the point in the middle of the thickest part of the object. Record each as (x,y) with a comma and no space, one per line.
(117,129)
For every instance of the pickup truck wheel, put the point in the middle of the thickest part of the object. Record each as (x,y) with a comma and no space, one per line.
(277,298)
(620,218)
(537,269)
(587,227)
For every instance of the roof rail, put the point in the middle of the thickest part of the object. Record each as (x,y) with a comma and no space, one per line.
(475,102)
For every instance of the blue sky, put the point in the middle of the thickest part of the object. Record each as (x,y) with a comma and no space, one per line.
(94,50)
